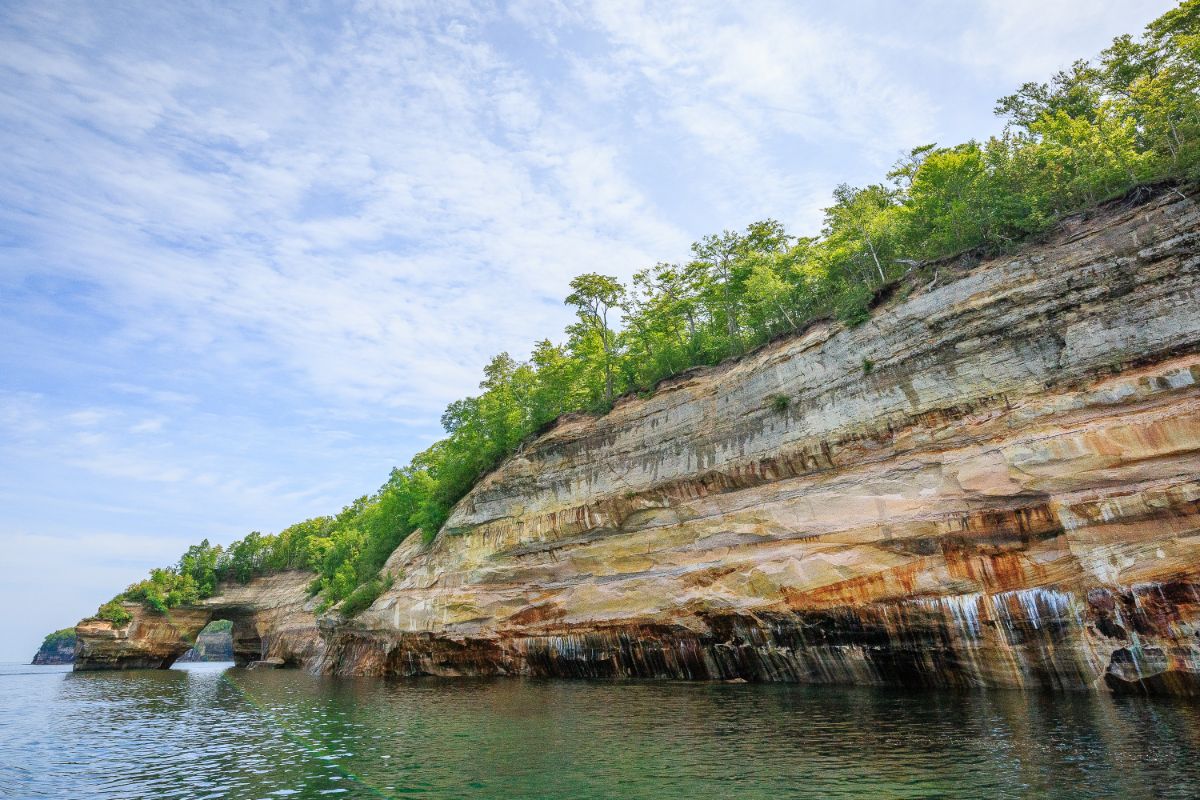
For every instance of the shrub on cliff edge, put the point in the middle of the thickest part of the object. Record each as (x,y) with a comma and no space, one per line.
(115,613)
(363,596)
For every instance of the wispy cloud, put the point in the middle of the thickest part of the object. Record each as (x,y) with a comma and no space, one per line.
(1028,40)
(353,220)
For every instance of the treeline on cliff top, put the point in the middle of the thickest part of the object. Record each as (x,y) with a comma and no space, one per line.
(1093,132)
(64,637)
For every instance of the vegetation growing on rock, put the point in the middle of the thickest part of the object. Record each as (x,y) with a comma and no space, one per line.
(1093,132)
(114,612)
(57,648)
(60,638)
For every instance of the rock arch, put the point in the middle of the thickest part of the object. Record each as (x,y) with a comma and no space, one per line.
(272,619)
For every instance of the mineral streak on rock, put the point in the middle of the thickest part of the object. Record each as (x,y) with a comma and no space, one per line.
(1010,497)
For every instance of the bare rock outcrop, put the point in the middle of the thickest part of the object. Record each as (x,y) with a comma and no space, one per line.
(994,482)
(210,645)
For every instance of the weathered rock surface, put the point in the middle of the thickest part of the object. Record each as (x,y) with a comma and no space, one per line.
(272,617)
(993,482)
(1008,496)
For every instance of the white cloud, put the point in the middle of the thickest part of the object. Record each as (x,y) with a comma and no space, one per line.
(149,425)
(86,418)
(388,295)
(753,85)
(1029,40)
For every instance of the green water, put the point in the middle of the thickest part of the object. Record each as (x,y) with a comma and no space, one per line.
(208,731)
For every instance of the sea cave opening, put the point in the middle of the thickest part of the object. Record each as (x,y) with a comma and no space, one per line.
(214,643)
(224,635)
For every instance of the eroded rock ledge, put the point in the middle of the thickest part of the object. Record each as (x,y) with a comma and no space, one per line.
(1008,496)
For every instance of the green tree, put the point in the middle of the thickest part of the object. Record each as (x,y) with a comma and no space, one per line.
(594,296)
(717,260)
(200,563)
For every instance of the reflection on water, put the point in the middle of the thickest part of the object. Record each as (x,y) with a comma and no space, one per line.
(207,731)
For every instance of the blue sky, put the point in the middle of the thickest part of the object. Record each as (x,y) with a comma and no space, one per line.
(248,256)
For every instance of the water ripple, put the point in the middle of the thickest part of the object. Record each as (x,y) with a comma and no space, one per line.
(210,732)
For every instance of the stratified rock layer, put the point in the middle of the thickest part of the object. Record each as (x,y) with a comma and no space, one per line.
(992,482)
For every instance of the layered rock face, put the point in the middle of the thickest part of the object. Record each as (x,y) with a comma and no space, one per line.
(272,619)
(995,481)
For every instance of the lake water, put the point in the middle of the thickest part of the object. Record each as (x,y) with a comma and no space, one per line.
(208,730)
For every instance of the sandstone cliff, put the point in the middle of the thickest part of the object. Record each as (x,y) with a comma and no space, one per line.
(994,481)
